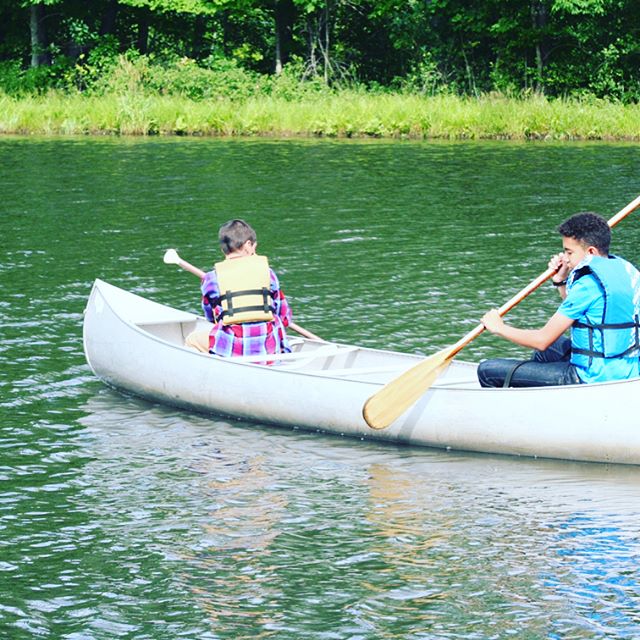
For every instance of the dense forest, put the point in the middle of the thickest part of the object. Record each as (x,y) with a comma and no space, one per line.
(556,48)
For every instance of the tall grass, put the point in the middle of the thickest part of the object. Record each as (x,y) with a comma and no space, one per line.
(344,114)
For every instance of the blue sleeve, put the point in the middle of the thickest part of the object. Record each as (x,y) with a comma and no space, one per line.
(580,298)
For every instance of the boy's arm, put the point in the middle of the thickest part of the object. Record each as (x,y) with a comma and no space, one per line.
(538,339)
(210,294)
(280,301)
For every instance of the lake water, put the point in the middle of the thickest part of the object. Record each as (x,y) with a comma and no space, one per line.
(124,519)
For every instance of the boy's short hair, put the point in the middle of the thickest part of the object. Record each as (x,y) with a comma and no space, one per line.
(234,234)
(589,229)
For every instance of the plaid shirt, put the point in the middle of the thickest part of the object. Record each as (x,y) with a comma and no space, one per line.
(247,338)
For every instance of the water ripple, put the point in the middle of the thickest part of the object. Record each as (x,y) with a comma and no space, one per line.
(122,519)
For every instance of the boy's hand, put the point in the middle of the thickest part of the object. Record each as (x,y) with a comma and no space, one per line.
(492,321)
(559,264)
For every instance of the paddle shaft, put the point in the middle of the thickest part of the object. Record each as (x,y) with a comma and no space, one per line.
(198,272)
(532,286)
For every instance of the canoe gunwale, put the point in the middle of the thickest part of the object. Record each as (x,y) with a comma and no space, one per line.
(443,385)
(138,327)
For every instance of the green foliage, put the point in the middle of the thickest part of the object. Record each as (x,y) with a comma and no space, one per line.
(196,7)
(616,74)
(581,7)
(15,80)
(183,77)
(424,78)
(293,84)
(12,79)
(226,49)
(220,78)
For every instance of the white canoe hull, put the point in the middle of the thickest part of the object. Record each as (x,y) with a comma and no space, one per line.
(135,345)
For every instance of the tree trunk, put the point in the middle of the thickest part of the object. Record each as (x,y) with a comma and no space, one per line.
(39,55)
(108,23)
(327,43)
(143,32)
(278,51)
(539,16)
(469,73)
(284,15)
(311,33)
(198,37)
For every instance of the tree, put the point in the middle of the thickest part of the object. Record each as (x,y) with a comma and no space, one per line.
(39,43)
(555,47)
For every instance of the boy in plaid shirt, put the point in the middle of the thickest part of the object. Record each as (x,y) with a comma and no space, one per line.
(227,339)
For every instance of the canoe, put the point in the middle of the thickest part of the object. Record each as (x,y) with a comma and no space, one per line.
(136,345)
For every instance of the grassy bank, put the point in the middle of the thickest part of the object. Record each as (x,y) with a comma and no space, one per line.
(346,114)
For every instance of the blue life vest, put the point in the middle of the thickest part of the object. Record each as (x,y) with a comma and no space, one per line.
(619,329)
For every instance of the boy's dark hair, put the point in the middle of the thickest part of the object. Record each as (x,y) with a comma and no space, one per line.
(234,234)
(588,228)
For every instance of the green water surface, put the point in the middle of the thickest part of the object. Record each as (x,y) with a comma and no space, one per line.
(124,519)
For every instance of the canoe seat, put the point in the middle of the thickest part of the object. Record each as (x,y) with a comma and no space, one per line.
(298,357)
(361,371)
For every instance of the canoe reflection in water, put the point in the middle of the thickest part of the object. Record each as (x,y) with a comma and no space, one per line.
(207,504)
(266,529)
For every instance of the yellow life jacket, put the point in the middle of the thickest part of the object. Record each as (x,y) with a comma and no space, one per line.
(245,290)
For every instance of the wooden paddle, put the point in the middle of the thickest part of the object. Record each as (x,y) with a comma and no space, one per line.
(383,407)
(171,257)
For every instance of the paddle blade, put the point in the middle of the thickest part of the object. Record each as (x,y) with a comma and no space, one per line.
(171,257)
(383,407)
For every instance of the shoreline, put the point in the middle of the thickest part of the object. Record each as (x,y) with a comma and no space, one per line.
(343,115)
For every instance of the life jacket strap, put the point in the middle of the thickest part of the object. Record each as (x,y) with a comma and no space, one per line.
(231,310)
(591,353)
(599,354)
(610,325)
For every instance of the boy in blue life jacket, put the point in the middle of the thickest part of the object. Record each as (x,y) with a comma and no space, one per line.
(600,305)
